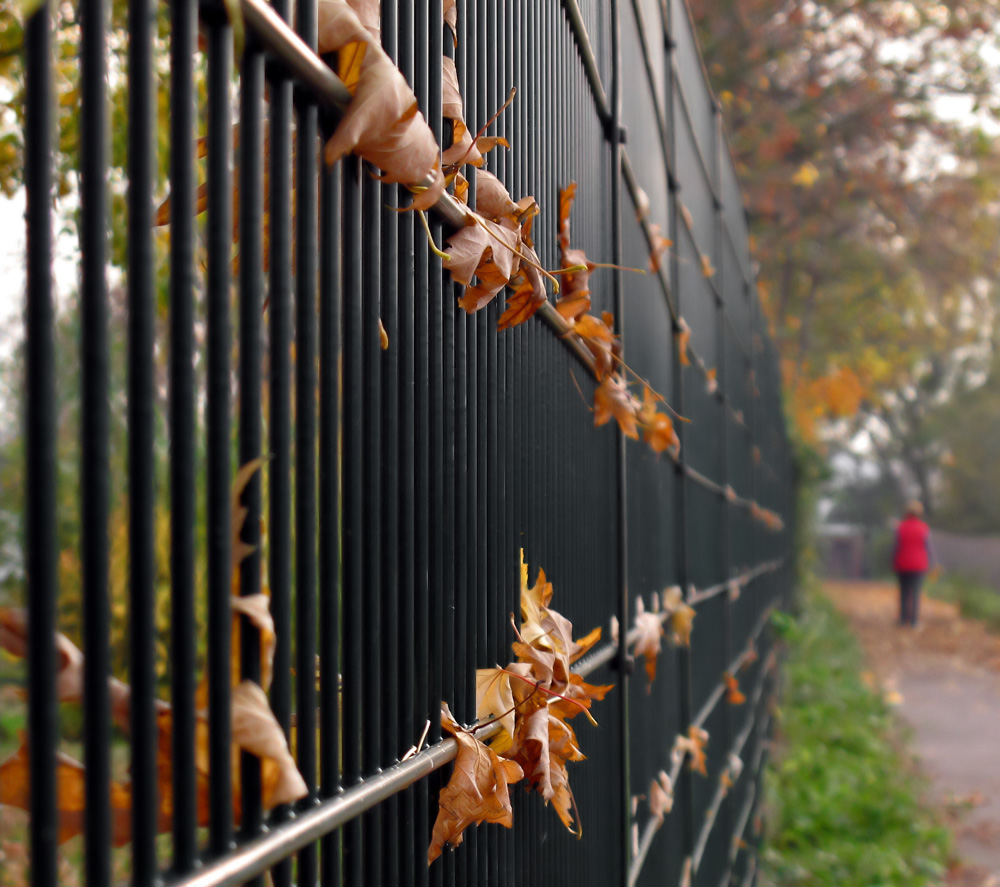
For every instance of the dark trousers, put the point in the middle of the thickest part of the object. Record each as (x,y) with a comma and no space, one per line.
(909,596)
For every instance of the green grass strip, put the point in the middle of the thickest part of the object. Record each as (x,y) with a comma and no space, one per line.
(843,799)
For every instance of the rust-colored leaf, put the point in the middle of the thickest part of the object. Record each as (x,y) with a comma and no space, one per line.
(661,797)
(659,245)
(600,341)
(382,123)
(681,615)
(255,730)
(521,305)
(492,199)
(477,791)
(733,694)
(693,745)
(683,336)
(612,400)
(647,645)
(15,791)
(711,381)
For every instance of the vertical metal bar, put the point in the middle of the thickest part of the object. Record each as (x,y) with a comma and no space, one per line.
(371,387)
(684,670)
(625,799)
(354,591)
(40,450)
(183,637)
(219,229)
(94,437)
(435,46)
(722,402)
(389,695)
(279,531)
(141,425)
(306,249)
(423,689)
(329,510)
(410,719)
(251,282)
(472,598)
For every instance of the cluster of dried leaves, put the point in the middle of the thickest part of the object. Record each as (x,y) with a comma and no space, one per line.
(253,725)
(649,626)
(531,700)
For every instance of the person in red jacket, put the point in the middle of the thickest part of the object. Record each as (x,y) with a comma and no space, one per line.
(911,560)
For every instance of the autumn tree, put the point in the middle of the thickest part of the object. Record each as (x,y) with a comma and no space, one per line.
(874,216)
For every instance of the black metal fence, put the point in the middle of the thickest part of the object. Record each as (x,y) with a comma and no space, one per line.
(401,484)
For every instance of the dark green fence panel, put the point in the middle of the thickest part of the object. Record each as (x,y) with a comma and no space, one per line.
(401,486)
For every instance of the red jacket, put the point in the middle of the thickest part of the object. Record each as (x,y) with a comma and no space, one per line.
(912,546)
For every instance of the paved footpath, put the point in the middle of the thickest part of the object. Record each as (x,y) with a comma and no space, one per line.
(944,677)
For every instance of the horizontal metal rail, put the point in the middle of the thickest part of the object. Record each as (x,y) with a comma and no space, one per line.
(646,841)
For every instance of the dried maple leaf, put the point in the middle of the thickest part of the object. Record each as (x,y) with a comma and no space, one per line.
(711,381)
(485,250)
(612,400)
(257,731)
(657,428)
(733,694)
(575,289)
(650,630)
(493,201)
(15,791)
(69,664)
(658,245)
(477,791)
(683,336)
(544,744)
(661,798)
(694,746)
(382,123)
(450,10)
(681,615)
(495,699)
(521,305)
(600,341)
(566,197)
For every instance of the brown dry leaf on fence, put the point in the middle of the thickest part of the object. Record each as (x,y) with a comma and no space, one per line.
(543,746)
(574,297)
(647,645)
(495,699)
(681,615)
(473,252)
(693,745)
(526,299)
(382,123)
(659,245)
(256,730)
(450,10)
(70,799)
(661,797)
(683,337)
(657,428)
(477,791)
(733,694)
(600,341)
(612,400)
(464,148)
(69,663)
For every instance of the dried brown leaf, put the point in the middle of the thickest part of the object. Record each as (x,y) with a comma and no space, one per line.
(477,791)
(612,400)
(647,645)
